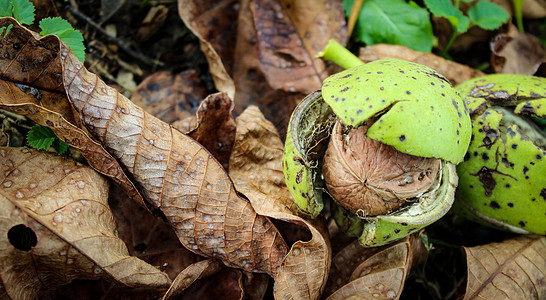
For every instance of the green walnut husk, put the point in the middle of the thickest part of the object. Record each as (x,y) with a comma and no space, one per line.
(407,106)
(502,181)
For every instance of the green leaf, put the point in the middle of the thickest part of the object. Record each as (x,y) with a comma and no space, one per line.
(6,9)
(61,28)
(461,23)
(41,138)
(60,146)
(442,8)
(6,29)
(488,15)
(23,11)
(393,22)
(445,9)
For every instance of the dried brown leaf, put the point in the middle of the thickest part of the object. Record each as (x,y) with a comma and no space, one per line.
(149,238)
(62,204)
(176,175)
(284,60)
(256,169)
(40,54)
(212,22)
(170,97)
(455,72)
(516,53)
(277,61)
(29,92)
(216,126)
(512,269)
(32,85)
(316,23)
(191,274)
(153,21)
(251,84)
(227,284)
(373,273)
(94,153)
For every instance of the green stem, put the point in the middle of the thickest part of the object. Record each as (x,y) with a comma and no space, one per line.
(445,244)
(449,43)
(338,54)
(518,5)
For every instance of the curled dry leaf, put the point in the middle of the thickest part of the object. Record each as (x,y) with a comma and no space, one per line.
(191,274)
(512,269)
(277,61)
(147,237)
(216,126)
(226,284)
(516,53)
(373,273)
(176,175)
(176,100)
(93,152)
(455,72)
(56,227)
(282,53)
(170,97)
(153,21)
(252,86)
(25,60)
(31,76)
(256,169)
(217,42)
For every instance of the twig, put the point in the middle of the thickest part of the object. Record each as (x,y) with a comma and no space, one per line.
(355,12)
(135,54)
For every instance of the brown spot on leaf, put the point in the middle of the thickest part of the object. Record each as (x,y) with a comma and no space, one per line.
(299,175)
(486,178)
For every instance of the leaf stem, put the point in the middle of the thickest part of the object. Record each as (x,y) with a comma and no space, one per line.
(518,5)
(338,54)
(444,244)
(449,43)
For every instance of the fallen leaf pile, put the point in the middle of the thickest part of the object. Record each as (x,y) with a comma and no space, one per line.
(168,196)
(56,226)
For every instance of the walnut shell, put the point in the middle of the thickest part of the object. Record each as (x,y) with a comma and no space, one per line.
(370,178)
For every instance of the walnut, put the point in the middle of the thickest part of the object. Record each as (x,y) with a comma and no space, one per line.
(370,178)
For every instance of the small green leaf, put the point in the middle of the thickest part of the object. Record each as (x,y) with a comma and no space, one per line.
(442,8)
(60,146)
(6,9)
(6,29)
(488,15)
(61,28)
(461,23)
(394,22)
(41,138)
(445,9)
(23,11)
